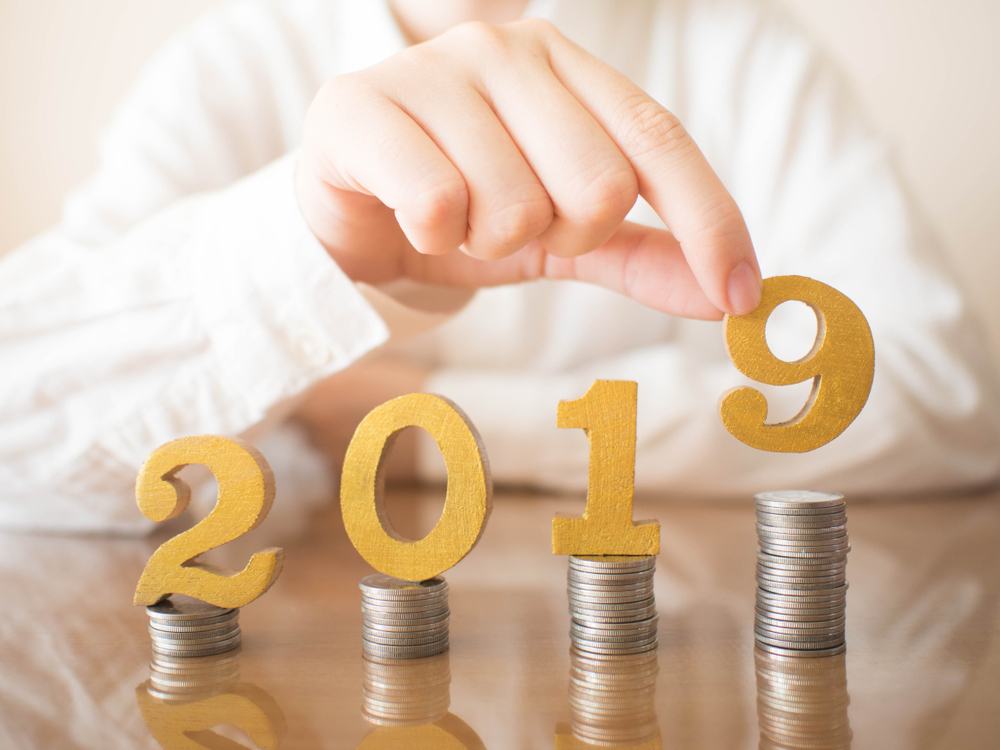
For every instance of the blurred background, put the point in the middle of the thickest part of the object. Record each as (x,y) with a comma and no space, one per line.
(927,71)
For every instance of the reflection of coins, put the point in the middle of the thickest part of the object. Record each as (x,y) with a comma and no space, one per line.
(404,692)
(802,702)
(182,626)
(613,698)
(403,619)
(187,678)
(801,571)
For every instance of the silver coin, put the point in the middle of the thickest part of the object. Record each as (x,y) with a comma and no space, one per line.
(814,566)
(614,650)
(813,595)
(384,583)
(791,575)
(826,534)
(631,625)
(610,581)
(405,602)
(763,515)
(406,627)
(198,644)
(181,607)
(801,582)
(789,642)
(611,599)
(598,586)
(180,626)
(405,652)
(800,629)
(613,616)
(799,498)
(591,590)
(220,649)
(408,642)
(604,562)
(435,608)
(193,634)
(800,615)
(405,622)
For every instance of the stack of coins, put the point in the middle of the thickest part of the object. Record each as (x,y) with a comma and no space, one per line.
(407,692)
(191,679)
(183,627)
(802,703)
(403,619)
(611,604)
(613,699)
(801,572)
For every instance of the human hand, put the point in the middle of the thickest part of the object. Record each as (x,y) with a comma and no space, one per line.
(519,150)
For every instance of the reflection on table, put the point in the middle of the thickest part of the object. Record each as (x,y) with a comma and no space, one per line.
(185,698)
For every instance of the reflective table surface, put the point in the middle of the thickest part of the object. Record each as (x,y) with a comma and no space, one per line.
(922,667)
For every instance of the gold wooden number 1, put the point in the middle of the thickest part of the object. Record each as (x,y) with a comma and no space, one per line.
(607,414)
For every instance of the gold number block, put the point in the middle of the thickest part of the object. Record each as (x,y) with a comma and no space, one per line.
(841,365)
(607,415)
(467,504)
(246,491)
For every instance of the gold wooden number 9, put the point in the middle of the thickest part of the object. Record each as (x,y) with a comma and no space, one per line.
(841,364)
(246,491)
(467,504)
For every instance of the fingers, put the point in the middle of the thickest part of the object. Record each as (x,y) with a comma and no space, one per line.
(641,262)
(591,184)
(673,176)
(391,158)
(507,205)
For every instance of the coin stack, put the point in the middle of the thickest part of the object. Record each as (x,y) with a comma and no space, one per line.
(407,692)
(802,703)
(403,619)
(611,604)
(801,572)
(183,627)
(613,699)
(192,678)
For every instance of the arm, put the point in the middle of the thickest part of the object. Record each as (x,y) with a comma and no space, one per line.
(183,293)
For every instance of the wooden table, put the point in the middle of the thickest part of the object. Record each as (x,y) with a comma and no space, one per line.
(922,666)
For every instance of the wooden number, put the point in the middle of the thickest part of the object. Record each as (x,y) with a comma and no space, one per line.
(841,365)
(187,725)
(449,733)
(468,501)
(246,491)
(607,414)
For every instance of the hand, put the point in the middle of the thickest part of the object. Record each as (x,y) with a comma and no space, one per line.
(492,155)
(333,409)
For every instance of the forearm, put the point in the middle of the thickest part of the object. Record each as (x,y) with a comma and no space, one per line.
(212,317)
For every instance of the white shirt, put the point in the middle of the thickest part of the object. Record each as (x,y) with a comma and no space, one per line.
(183,293)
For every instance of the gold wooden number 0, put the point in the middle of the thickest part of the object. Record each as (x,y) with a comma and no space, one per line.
(841,365)
(607,414)
(467,504)
(246,491)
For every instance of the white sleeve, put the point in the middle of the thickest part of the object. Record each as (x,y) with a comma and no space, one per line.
(822,200)
(183,293)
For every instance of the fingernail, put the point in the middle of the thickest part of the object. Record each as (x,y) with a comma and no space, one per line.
(744,289)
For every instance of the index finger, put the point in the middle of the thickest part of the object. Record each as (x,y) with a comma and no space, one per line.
(674,176)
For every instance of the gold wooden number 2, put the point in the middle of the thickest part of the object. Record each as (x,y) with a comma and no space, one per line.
(246,491)
(607,414)
(468,501)
(841,365)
